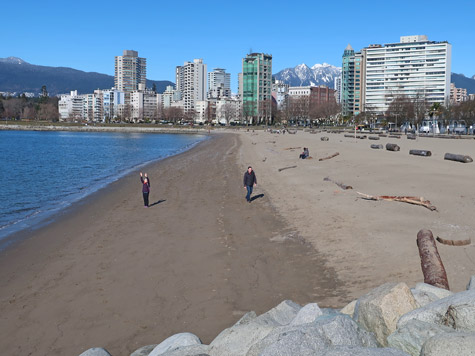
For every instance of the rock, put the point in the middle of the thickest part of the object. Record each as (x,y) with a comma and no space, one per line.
(174,342)
(195,350)
(456,343)
(423,298)
(413,335)
(313,337)
(456,311)
(307,314)
(379,310)
(439,292)
(282,314)
(247,318)
(95,351)
(349,309)
(362,351)
(471,284)
(143,351)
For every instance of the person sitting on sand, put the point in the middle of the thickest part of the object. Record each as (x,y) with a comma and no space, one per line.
(305,153)
(145,188)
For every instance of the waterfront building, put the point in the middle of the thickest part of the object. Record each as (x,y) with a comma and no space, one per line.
(304,101)
(71,107)
(191,83)
(257,88)
(130,71)
(352,82)
(414,68)
(144,104)
(280,93)
(457,95)
(337,86)
(219,84)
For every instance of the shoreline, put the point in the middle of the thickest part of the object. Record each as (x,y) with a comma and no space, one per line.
(112,273)
(43,218)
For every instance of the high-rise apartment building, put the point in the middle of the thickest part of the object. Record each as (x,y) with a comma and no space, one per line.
(130,71)
(257,87)
(219,84)
(414,68)
(191,83)
(457,95)
(337,86)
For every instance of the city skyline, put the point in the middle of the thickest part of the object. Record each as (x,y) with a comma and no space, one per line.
(88,37)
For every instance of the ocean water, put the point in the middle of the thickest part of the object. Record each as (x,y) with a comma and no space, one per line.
(41,173)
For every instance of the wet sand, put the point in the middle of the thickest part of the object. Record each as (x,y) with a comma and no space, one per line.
(110,273)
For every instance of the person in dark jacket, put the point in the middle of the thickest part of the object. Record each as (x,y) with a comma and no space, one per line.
(249,182)
(145,188)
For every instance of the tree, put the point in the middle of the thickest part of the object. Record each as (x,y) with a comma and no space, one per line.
(154,88)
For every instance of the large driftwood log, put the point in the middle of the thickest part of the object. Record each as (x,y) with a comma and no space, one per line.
(373,137)
(454,242)
(377,147)
(411,137)
(458,158)
(283,169)
(405,199)
(431,264)
(394,136)
(325,158)
(324,138)
(341,185)
(392,147)
(424,153)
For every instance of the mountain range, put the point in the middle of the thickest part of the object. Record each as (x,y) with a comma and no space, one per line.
(303,75)
(19,76)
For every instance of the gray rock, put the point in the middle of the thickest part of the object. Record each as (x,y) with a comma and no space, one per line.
(195,350)
(471,284)
(313,337)
(413,335)
(456,311)
(349,309)
(379,310)
(459,344)
(174,342)
(423,297)
(307,314)
(143,351)
(282,314)
(95,351)
(247,318)
(362,351)
(439,292)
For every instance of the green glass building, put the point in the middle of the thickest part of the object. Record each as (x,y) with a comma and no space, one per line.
(257,88)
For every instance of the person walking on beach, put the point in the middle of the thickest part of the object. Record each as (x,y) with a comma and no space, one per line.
(145,188)
(249,182)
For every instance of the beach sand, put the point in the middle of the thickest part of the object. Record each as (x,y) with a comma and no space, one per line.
(367,243)
(111,273)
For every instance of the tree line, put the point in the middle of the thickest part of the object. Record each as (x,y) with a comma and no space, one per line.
(23,107)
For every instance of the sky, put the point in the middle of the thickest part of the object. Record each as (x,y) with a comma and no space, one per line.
(87,35)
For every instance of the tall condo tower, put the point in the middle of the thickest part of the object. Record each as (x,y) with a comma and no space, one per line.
(130,71)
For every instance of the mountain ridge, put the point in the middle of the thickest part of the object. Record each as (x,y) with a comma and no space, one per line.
(19,76)
(303,75)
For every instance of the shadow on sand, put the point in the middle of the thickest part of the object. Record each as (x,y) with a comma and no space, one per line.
(258,196)
(157,202)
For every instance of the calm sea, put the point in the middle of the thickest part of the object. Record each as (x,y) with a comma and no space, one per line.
(44,172)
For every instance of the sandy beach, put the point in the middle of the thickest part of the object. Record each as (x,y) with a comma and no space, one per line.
(110,273)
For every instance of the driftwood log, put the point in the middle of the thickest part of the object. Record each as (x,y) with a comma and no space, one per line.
(424,153)
(404,199)
(324,138)
(331,156)
(377,147)
(394,136)
(283,169)
(373,137)
(383,135)
(392,147)
(293,132)
(411,137)
(458,158)
(454,242)
(341,185)
(431,264)
(292,148)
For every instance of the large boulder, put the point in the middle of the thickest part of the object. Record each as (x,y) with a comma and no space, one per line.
(379,310)
(456,311)
(362,351)
(413,335)
(195,350)
(425,293)
(238,339)
(308,314)
(174,342)
(456,343)
(143,351)
(313,337)
(96,351)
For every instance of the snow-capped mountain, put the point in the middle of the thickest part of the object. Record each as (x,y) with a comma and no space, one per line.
(13,60)
(303,75)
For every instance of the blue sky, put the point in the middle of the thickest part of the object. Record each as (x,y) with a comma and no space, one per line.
(86,34)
